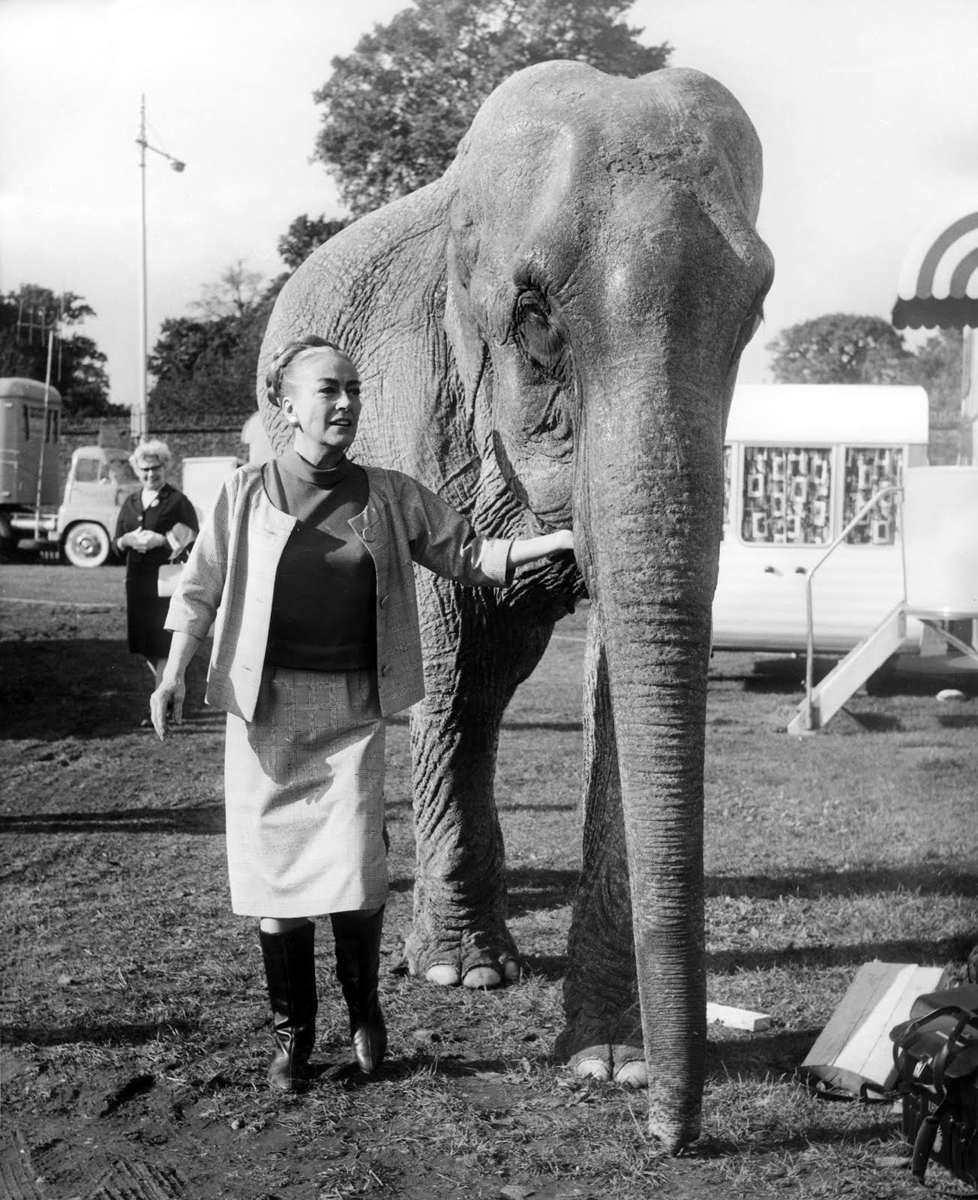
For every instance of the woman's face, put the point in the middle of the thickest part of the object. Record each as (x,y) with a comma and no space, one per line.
(151,474)
(321,400)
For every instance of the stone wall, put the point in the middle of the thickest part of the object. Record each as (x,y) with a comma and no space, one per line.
(183,443)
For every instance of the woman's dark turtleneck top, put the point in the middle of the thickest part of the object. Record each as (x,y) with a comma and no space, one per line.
(324,604)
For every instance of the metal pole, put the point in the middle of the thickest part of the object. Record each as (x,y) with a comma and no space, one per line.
(138,423)
(140,412)
(44,436)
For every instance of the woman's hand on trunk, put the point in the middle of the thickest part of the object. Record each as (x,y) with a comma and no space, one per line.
(527,550)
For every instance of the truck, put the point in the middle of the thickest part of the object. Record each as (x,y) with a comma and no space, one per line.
(99,479)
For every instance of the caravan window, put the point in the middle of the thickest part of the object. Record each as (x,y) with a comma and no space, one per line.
(786,494)
(870,469)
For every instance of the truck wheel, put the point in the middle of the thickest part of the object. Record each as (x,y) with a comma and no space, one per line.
(87,545)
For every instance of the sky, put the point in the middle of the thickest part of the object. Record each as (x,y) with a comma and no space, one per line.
(867,111)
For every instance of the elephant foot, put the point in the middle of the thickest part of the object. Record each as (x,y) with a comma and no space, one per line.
(448,975)
(624,1065)
(456,942)
(471,962)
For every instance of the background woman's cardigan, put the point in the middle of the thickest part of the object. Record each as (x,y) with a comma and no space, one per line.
(230,579)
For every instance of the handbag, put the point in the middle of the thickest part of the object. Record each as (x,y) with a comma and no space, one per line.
(179,539)
(168,580)
(936,1057)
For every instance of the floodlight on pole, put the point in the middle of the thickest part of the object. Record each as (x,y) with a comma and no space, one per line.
(139,413)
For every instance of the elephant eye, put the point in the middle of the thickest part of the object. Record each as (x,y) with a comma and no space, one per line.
(537,333)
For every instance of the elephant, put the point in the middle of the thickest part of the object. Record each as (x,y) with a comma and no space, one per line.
(548,336)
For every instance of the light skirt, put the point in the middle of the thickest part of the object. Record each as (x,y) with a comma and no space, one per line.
(304,794)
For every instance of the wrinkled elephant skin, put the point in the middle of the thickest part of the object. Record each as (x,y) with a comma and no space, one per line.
(549,334)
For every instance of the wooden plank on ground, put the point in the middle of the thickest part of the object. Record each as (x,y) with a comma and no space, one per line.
(737,1018)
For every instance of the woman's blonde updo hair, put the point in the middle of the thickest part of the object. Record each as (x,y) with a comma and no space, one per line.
(153,448)
(283,358)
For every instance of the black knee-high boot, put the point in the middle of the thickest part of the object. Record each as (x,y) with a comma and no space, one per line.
(357,965)
(290,971)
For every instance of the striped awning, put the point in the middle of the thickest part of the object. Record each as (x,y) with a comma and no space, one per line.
(939,278)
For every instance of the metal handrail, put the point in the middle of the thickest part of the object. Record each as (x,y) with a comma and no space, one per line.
(810,613)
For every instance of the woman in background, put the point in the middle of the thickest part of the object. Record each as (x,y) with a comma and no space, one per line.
(145,519)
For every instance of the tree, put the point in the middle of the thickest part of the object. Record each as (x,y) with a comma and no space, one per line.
(840,348)
(235,294)
(938,366)
(304,235)
(396,108)
(77,365)
(845,348)
(204,367)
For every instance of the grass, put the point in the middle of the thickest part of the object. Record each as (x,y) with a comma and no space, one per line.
(134,1020)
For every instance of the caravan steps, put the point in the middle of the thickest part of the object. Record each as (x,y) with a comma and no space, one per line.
(851,673)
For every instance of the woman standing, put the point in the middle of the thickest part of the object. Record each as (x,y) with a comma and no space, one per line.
(309,559)
(146,517)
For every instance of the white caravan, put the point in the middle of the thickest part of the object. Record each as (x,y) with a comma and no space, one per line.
(800,461)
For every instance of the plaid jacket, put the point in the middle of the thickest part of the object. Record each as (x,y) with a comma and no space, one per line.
(229,580)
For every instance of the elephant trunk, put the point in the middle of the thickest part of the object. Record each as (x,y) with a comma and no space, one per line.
(648,499)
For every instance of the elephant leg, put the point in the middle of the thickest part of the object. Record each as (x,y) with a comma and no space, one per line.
(475,656)
(602,1036)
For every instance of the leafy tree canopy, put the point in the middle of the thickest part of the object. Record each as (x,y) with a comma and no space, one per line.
(303,236)
(204,366)
(846,348)
(839,348)
(27,316)
(396,108)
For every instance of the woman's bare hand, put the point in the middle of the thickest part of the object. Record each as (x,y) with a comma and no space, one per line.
(166,703)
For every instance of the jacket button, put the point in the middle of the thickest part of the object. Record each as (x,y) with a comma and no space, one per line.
(368,536)
(382,601)
(385,670)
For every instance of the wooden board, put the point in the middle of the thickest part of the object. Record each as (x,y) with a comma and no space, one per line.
(855,1047)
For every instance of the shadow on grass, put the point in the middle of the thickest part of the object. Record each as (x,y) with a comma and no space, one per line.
(551,967)
(761,1056)
(404,1068)
(929,879)
(875,722)
(531,889)
(205,819)
(93,1033)
(904,950)
(53,689)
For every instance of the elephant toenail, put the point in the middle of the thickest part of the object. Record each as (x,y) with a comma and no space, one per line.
(593,1068)
(632,1074)
(443,974)
(481,977)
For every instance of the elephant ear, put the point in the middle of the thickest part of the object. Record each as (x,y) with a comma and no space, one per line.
(462,329)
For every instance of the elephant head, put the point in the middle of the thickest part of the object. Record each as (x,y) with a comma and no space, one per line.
(547,335)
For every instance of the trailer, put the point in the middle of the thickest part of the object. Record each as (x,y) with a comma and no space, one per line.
(800,462)
(99,479)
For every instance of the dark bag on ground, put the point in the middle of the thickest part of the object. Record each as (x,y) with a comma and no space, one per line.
(936,1059)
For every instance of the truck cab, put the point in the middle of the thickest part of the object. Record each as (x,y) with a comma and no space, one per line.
(99,480)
